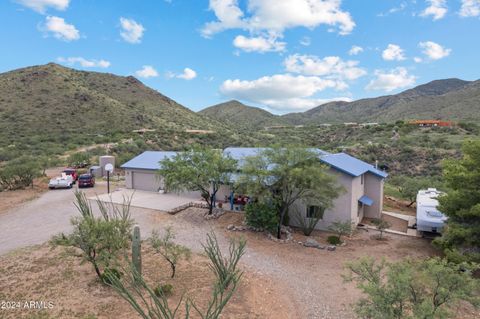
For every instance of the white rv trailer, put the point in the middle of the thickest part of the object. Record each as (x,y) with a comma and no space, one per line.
(429,218)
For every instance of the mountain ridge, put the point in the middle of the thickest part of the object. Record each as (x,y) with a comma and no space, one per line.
(446,99)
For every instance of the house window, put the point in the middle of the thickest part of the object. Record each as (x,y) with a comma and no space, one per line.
(315,211)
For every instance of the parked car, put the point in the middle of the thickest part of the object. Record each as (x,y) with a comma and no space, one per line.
(71,172)
(86,180)
(64,181)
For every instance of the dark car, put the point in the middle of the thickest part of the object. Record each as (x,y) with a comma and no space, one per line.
(72,172)
(86,180)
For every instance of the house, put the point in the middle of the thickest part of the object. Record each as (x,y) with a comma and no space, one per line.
(432,123)
(363,184)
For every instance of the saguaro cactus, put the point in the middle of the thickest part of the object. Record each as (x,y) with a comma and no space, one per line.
(136,250)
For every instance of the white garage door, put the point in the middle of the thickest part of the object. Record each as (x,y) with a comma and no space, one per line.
(146,181)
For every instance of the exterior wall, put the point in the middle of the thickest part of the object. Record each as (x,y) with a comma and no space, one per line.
(340,211)
(374,190)
(357,192)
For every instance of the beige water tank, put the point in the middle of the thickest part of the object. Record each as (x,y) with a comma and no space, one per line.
(104,160)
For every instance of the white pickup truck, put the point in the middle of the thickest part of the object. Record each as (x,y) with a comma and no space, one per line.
(64,181)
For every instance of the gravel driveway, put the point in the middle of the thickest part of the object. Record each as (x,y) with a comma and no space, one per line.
(35,222)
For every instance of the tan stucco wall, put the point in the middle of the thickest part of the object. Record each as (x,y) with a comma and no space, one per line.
(357,192)
(130,173)
(340,211)
(374,190)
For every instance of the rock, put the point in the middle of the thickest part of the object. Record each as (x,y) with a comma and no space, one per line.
(331,248)
(311,243)
(230,227)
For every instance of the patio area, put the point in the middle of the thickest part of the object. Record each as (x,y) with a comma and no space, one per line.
(150,200)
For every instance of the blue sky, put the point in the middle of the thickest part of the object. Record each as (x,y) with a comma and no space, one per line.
(282,55)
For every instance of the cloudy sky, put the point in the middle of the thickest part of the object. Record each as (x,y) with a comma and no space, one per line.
(282,55)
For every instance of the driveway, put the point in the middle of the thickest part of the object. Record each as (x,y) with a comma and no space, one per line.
(149,200)
(37,221)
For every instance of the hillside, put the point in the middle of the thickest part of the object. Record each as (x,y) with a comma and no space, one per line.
(242,116)
(52,104)
(449,99)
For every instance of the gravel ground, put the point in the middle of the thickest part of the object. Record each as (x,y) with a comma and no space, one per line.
(309,279)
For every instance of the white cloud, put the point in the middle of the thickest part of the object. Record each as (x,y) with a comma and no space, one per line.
(470,8)
(132,31)
(280,91)
(274,17)
(397,78)
(84,62)
(418,59)
(355,49)
(188,74)
(306,41)
(60,29)
(331,67)
(437,9)
(258,44)
(434,51)
(393,53)
(41,6)
(147,71)
(393,10)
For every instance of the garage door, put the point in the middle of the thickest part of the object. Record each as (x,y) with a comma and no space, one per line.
(146,181)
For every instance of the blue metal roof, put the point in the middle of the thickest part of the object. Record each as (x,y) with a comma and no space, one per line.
(366,200)
(148,160)
(351,165)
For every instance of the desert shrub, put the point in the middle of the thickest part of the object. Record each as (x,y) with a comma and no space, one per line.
(308,224)
(163,290)
(334,240)
(18,174)
(225,269)
(381,226)
(109,273)
(166,247)
(341,228)
(153,304)
(431,288)
(261,215)
(100,239)
(80,159)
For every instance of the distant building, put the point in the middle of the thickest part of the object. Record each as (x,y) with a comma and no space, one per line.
(432,123)
(363,183)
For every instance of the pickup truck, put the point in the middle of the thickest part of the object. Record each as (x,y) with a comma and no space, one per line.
(72,172)
(64,181)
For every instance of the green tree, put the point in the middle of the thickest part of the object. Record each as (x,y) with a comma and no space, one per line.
(80,159)
(286,175)
(408,187)
(198,169)
(416,289)
(166,247)
(461,240)
(100,239)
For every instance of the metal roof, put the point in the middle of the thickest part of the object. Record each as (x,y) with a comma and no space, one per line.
(351,165)
(366,200)
(148,160)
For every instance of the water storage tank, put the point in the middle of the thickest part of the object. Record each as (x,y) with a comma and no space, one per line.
(104,160)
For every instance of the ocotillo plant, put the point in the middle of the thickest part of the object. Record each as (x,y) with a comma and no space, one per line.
(136,250)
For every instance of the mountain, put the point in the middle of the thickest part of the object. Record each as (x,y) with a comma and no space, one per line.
(242,116)
(52,103)
(449,99)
